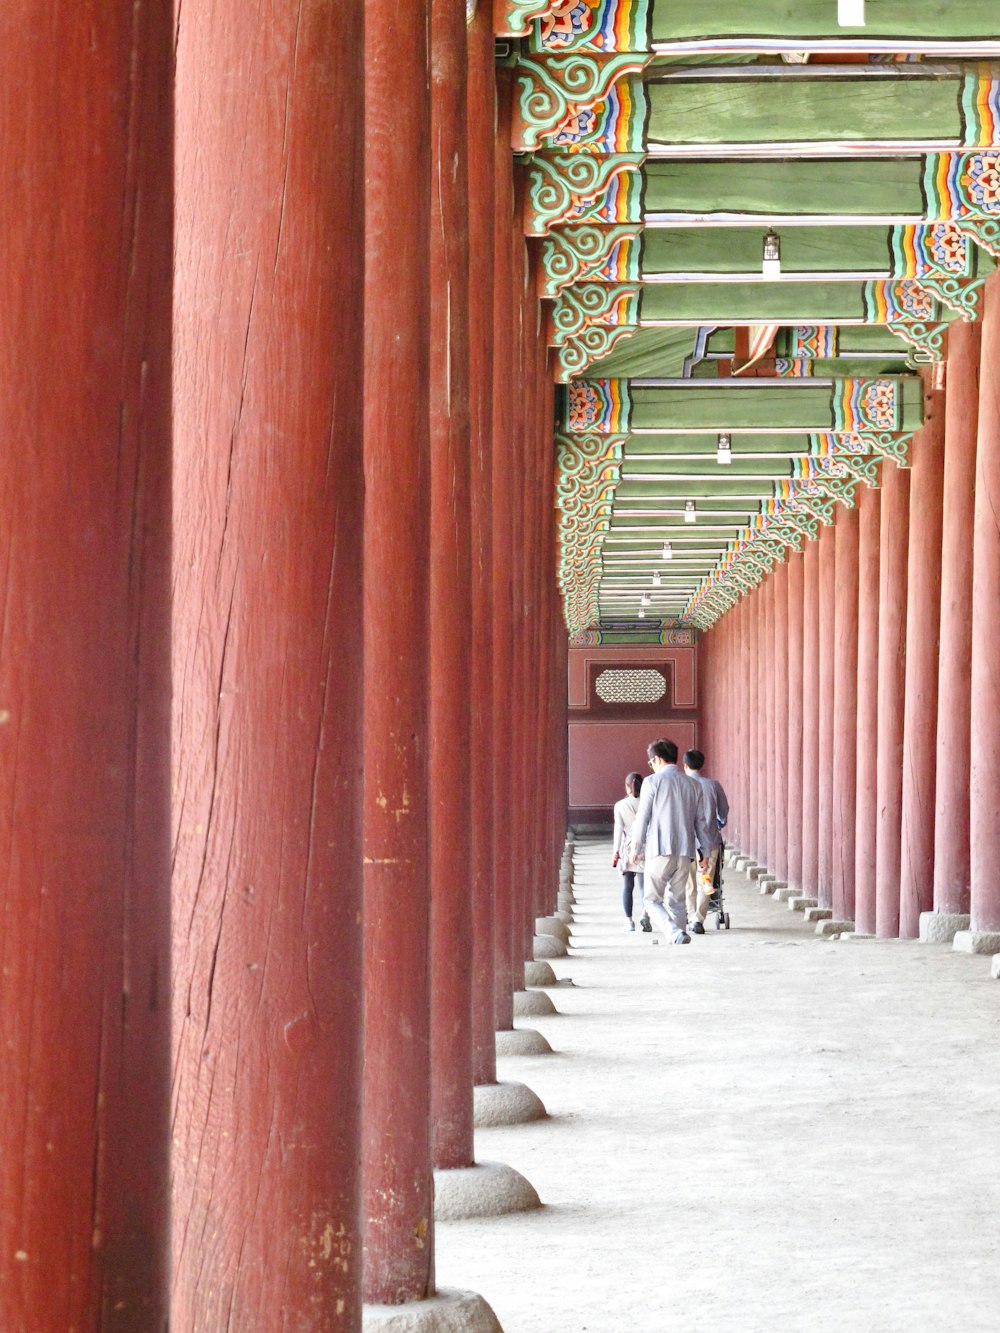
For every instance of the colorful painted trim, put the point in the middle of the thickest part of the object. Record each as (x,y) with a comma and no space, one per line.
(937,249)
(515,17)
(578,187)
(887,444)
(577,355)
(597,254)
(865,405)
(553,94)
(596,25)
(888,301)
(797,367)
(960,186)
(589,303)
(817,342)
(587,474)
(604,406)
(615,125)
(981,107)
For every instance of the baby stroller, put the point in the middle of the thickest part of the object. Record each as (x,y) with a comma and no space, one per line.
(715,903)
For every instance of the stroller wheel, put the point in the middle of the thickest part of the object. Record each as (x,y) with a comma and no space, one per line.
(718,921)
(727,920)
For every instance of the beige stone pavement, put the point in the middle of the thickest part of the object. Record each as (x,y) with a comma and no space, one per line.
(760,1131)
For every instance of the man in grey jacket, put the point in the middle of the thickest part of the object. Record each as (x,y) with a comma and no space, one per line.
(669,828)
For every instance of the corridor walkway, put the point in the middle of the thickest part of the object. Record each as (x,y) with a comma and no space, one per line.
(762,1131)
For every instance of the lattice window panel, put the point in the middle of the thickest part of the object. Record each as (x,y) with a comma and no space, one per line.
(630,687)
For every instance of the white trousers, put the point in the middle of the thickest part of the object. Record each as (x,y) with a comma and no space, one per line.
(666,889)
(697,898)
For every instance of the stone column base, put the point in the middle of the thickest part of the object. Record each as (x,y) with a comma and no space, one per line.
(831,927)
(449,1311)
(818,914)
(532,1004)
(941,927)
(977,941)
(856,935)
(789,896)
(757,872)
(522,1041)
(549,946)
(551,925)
(505,1104)
(485,1189)
(539,974)
(797,902)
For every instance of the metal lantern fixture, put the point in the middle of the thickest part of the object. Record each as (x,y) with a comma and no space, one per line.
(724,452)
(657,580)
(668,551)
(771,265)
(690,511)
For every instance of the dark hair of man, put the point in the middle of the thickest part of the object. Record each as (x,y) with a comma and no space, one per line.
(694,759)
(634,782)
(661,749)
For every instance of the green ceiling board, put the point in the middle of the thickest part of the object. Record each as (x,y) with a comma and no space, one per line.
(843,367)
(866,338)
(928,19)
(779,403)
(738,250)
(739,468)
(752,111)
(756,302)
(659,352)
(640,445)
(853,187)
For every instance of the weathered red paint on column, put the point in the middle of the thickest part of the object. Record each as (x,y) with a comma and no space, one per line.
(85,280)
(845,713)
(827,600)
(923,624)
(951,823)
(794,769)
(482,146)
(504,554)
(779,857)
(893,540)
(985,752)
(398,1199)
(770,718)
(268,668)
(747,713)
(449,747)
(866,732)
(810,720)
(761,668)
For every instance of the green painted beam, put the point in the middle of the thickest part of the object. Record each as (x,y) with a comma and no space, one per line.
(778,403)
(923,19)
(858,249)
(788,302)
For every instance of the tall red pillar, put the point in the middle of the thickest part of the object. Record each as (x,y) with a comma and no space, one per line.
(865,741)
(845,714)
(794,760)
(761,668)
(827,605)
(398,1261)
(85,280)
(769,590)
(810,720)
(951,822)
(985,749)
(923,623)
(267,668)
(893,551)
(482,145)
(779,638)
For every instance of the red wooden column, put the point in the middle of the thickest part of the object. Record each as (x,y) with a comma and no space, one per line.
(748,713)
(923,623)
(761,669)
(504,555)
(482,190)
(893,550)
(398,1264)
(810,720)
(845,713)
(268,668)
(794,770)
(779,639)
(85,281)
(770,722)
(951,823)
(985,750)
(827,604)
(449,751)
(865,740)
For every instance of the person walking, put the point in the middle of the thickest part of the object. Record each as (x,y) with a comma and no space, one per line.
(669,828)
(631,873)
(715,807)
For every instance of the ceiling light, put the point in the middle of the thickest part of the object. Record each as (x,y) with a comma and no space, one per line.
(724,453)
(690,511)
(668,551)
(645,599)
(771,266)
(656,578)
(850,13)
(642,614)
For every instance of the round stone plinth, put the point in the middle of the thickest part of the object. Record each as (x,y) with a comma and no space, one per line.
(551,925)
(505,1104)
(522,1041)
(449,1311)
(566,899)
(976,941)
(532,1004)
(539,974)
(941,927)
(565,917)
(547,946)
(485,1189)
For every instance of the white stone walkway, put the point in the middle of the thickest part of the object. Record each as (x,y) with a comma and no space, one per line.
(760,1131)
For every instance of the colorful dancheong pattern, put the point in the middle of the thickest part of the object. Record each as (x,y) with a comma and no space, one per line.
(598,405)
(593,25)
(939,249)
(962,185)
(888,302)
(813,341)
(615,125)
(865,405)
(981,106)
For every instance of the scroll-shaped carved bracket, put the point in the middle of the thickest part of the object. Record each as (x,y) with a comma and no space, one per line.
(887,444)
(962,297)
(594,303)
(513,18)
(574,187)
(577,355)
(588,470)
(593,25)
(984,232)
(597,254)
(553,95)
(926,339)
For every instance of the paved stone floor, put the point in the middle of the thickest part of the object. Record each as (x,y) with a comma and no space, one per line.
(761,1130)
